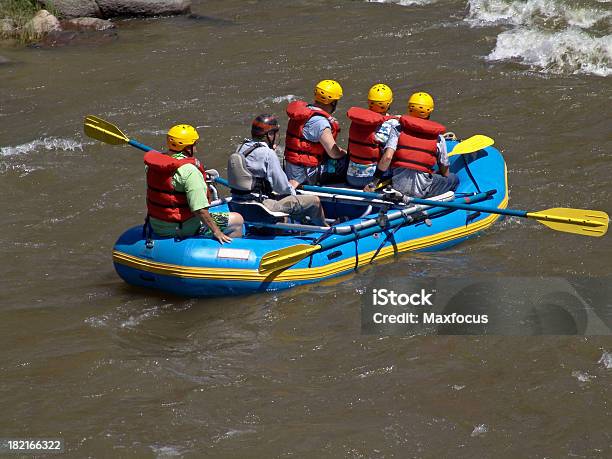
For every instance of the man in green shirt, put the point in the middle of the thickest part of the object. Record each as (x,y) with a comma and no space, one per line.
(177,198)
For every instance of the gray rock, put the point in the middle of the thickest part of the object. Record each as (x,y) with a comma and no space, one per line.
(87,24)
(4,60)
(74,8)
(42,23)
(113,8)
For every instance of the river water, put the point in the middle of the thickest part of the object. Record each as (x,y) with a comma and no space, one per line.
(122,372)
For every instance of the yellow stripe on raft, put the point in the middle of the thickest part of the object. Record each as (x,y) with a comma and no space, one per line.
(302,274)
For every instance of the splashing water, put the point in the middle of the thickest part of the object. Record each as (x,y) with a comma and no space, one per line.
(47,143)
(571,51)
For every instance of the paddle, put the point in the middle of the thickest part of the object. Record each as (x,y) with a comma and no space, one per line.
(577,221)
(475,143)
(288,256)
(106,132)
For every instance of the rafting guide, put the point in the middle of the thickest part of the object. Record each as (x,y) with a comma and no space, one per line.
(391,307)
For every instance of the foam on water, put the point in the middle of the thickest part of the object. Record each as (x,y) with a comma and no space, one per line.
(278,99)
(46,143)
(533,12)
(606,360)
(480,429)
(571,50)
(582,376)
(553,36)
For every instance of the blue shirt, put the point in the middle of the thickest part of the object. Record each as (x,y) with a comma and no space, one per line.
(314,127)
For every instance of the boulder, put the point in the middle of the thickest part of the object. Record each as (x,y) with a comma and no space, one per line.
(73,8)
(42,23)
(4,60)
(87,24)
(113,8)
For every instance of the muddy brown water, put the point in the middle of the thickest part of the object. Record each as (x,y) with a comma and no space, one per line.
(122,372)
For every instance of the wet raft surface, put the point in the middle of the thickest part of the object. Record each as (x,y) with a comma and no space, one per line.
(120,371)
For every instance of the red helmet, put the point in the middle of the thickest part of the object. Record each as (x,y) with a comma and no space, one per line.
(263,124)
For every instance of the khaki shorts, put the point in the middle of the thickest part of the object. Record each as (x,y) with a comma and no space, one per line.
(298,207)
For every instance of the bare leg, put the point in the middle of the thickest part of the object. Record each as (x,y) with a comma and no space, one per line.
(234,226)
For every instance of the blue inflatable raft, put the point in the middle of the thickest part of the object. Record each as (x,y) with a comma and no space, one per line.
(291,256)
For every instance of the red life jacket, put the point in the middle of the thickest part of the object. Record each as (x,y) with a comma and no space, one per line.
(299,150)
(362,145)
(163,201)
(417,144)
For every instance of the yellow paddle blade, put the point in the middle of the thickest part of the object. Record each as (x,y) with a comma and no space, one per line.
(474,143)
(101,130)
(283,258)
(577,221)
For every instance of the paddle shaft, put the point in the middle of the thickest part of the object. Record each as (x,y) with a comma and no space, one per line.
(433,211)
(365,194)
(275,261)
(579,221)
(449,205)
(140,146)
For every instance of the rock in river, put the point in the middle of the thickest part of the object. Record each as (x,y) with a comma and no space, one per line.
(113,8)
(87,24)
(42,23)
(74,8)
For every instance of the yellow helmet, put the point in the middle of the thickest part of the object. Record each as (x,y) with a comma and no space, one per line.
(421,105)
(380,97)
(181,136)
(327,91)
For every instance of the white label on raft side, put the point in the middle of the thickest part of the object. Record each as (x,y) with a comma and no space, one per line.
(236,254)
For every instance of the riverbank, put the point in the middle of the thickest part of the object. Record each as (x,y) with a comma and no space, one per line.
(30,21)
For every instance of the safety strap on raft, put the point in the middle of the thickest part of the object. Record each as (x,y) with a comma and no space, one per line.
(471,217)
(469,172)
(391,236)
(318,240)
(354,231)
(147,233)
(325,235)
